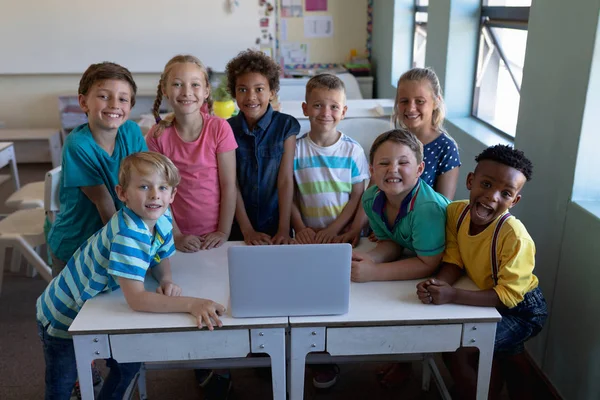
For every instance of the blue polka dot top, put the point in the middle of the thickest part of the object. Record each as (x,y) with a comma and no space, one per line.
(440,156)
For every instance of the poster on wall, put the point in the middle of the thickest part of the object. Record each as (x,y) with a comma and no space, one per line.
(291,8)
(318,27)
(294,53)
(316,5)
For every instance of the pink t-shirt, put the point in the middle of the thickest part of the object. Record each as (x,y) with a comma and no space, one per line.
(196,205)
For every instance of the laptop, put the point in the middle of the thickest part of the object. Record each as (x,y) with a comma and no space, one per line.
(295,280)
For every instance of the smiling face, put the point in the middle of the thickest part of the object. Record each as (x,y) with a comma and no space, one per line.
(186,88)
(495,188)
(325,109)
(415,105)
(252,94)
(395,169)
(107,104)
(147,194)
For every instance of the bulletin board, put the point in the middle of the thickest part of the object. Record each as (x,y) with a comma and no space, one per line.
(303,26)
(66,36)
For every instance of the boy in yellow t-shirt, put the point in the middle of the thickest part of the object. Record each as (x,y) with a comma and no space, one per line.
(494,249)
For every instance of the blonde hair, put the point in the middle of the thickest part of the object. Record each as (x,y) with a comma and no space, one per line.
(439,112)
(161,124)
(325,81)
(398,135)
(147,162)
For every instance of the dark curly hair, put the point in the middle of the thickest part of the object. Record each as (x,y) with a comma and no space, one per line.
(508,156)
(252,61)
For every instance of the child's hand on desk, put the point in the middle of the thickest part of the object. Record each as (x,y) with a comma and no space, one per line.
(422,292)
(435,291)
(207,311)
(352,237)
(281,238)
(213,240)
(188,243)
(257,238)
(305,236)
(363,267)
(326,235)
(373,238)
(168,288)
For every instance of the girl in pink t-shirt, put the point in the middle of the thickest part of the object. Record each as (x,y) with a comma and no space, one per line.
(202,147)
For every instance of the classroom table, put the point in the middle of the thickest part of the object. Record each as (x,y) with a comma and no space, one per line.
(7,157)
(35,145)
(357,108)
(106,327)
(387,318)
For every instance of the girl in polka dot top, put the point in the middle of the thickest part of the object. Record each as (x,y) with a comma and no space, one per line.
(419,107)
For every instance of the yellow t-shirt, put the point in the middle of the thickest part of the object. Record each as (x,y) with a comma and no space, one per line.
(515,255)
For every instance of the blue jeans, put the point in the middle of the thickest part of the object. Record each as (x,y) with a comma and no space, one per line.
(520,323)
(61,370)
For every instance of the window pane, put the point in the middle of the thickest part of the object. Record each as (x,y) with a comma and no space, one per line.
(422,2)
(420,39)
(499,75)
(508,3)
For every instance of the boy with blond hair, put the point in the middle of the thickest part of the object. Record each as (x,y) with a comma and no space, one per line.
(330,168)
(136,239)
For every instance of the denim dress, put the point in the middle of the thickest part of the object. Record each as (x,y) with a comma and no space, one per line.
(258,157)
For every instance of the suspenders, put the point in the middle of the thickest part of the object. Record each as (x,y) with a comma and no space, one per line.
(494,247)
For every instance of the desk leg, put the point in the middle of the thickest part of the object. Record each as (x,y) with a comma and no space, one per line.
(14,172)
(481,335)
(303,341)
(87,349)
(142,383)
(272,342)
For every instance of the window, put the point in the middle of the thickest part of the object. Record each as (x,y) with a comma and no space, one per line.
(420,33)
(502,45)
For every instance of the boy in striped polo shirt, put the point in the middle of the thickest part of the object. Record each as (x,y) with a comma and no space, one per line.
(137,238)
(330,168)
(495,250)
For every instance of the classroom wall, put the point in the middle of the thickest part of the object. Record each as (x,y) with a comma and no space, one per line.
(349,31)
(391,18)
(31,101)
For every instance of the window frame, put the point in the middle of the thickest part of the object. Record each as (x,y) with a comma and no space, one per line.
(507,17)
(417,8)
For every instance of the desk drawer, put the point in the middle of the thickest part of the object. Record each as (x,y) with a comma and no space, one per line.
(393,339)
(178,346)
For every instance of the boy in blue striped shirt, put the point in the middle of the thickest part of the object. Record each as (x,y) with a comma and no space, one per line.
(137,238)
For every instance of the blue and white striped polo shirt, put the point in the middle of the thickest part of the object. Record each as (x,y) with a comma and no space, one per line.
(124,247)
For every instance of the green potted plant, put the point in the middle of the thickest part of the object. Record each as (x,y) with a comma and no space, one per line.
(223,105)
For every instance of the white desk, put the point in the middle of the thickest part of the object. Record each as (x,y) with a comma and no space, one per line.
(7,157)
(106,327)
(364,108)
(35,145)
(387,318)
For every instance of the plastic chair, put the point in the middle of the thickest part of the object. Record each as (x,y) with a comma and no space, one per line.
(364,130)
(29,196)
(23,230)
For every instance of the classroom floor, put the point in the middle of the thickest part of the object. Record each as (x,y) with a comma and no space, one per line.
(22,363)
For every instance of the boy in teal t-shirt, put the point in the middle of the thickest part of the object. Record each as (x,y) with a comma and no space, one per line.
(403,211)
(91,158)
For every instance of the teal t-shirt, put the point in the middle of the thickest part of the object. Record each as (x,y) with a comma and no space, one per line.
(84,163)
(421,222)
